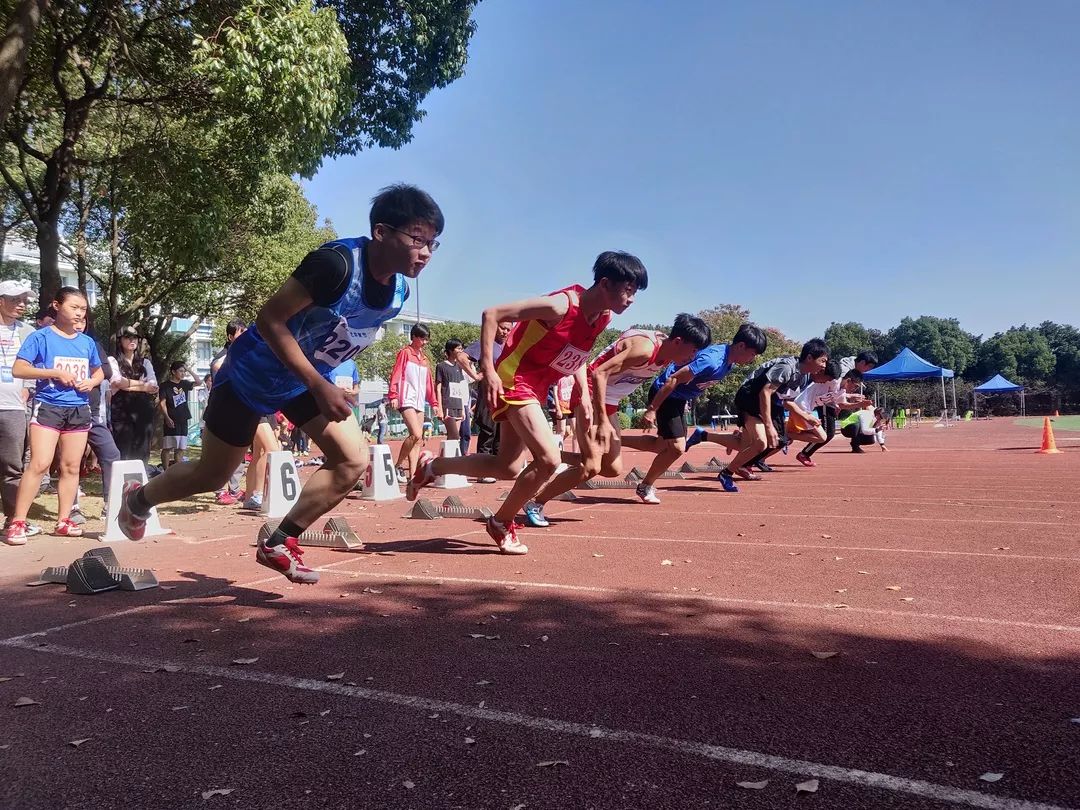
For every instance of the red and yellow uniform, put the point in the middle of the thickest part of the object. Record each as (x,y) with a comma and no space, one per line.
(535,356)
(625,383)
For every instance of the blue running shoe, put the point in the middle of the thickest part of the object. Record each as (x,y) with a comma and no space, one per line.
(534,515)
(726,481)
(697,437)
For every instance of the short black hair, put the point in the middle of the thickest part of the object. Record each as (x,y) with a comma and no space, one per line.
(176,364)
(753,337)
(234,326)
(452,345)
(814,348)
(832,369)
(866,357)
(419,331)
(45,312)
(692,330)
(400,205)
(64,293)
(620,267)
(854,374)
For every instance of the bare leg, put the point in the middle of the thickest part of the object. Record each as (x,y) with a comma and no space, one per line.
(753,443)
(671,452)
(582,466)
(42,449)
(729,441)
(72,447)
(213,468)
(346,452)
(453,429)
(410,448)
(265,441)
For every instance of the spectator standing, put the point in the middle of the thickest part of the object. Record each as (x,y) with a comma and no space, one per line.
(451,388)
(134,398)
(14,393)
(382,421)
(66,366)
(411,386)
(173,402)
(231,492)
(487,431)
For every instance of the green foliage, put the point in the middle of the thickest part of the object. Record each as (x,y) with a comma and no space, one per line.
(1021,354)
(624,420)
(605,339)
(376,362)
(442,332)
(16,269)
(400,50)
(848,339)
(940,341)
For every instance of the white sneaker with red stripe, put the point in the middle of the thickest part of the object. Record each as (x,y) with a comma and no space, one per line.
(15,534)
(288,559)
(422,477)
(67,528)
(505,536)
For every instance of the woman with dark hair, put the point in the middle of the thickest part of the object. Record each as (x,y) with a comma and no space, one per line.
(411,387)
(134,398)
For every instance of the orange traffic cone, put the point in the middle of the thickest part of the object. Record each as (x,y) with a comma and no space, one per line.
(1048,444)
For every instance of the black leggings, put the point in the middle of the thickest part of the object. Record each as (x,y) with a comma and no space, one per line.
(828,421)
(858,438)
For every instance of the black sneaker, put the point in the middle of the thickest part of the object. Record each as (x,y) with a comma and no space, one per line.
(763,467)
(857,450)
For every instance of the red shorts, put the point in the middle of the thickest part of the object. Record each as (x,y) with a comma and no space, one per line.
(521,394)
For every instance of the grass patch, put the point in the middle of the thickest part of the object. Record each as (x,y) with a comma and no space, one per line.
(1071,422)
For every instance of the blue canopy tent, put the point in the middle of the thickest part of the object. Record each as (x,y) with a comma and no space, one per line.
(909,366)
(997,385)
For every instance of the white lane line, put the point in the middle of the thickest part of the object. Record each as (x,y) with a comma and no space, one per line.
(208,594)
(724,600)
(978,503)
(549,533)
(735,756)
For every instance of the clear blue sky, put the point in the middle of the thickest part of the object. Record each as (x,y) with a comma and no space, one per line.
(810,161)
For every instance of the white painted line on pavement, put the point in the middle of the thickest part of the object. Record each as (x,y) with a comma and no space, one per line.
(735,756)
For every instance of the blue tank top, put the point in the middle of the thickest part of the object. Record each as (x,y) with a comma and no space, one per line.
(328,336)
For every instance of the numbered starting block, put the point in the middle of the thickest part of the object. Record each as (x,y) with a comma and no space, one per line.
(97,571)
(282,484)
(122,472)
(639,474)
(451,448)
(380,479)
(337,534)
(452,507)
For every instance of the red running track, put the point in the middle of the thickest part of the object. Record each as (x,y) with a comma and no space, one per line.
(943,575)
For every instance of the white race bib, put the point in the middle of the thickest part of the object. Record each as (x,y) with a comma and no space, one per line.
(79,367)
(344,343)
(343,382)
(570,359)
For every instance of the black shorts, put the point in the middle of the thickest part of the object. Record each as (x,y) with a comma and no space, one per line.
(230,419)
(671,419)
(179,428)
(61,418)
(746,403)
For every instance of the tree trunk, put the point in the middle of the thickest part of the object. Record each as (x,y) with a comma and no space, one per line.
(15,46)
(48,242)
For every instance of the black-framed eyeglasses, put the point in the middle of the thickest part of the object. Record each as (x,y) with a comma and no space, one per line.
(417,241)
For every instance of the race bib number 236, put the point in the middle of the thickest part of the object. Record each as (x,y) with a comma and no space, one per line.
(570,359)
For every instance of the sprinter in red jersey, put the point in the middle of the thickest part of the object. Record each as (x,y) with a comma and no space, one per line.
(553,337)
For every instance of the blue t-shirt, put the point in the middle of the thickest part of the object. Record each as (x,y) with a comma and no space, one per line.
(47,348)
(708,366)
(346,371)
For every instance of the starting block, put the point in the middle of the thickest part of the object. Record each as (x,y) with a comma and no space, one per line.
(122,472)
(610,483)
(451,448)
(639,474)
(282,484)
(337,534)
(97,571)
(452,507)
(380,479)
(700,468)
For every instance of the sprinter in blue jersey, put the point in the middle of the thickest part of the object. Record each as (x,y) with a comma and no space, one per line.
(674,387)
(328,311)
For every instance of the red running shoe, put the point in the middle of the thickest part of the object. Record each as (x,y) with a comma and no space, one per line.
(287,558)
(132,525)
(67,528)
(805,460)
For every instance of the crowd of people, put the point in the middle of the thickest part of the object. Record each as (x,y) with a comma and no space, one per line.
(545,417)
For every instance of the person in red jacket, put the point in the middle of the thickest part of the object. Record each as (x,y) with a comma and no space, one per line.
(411,386)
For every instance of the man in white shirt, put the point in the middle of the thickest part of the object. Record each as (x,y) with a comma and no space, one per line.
(14,393)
